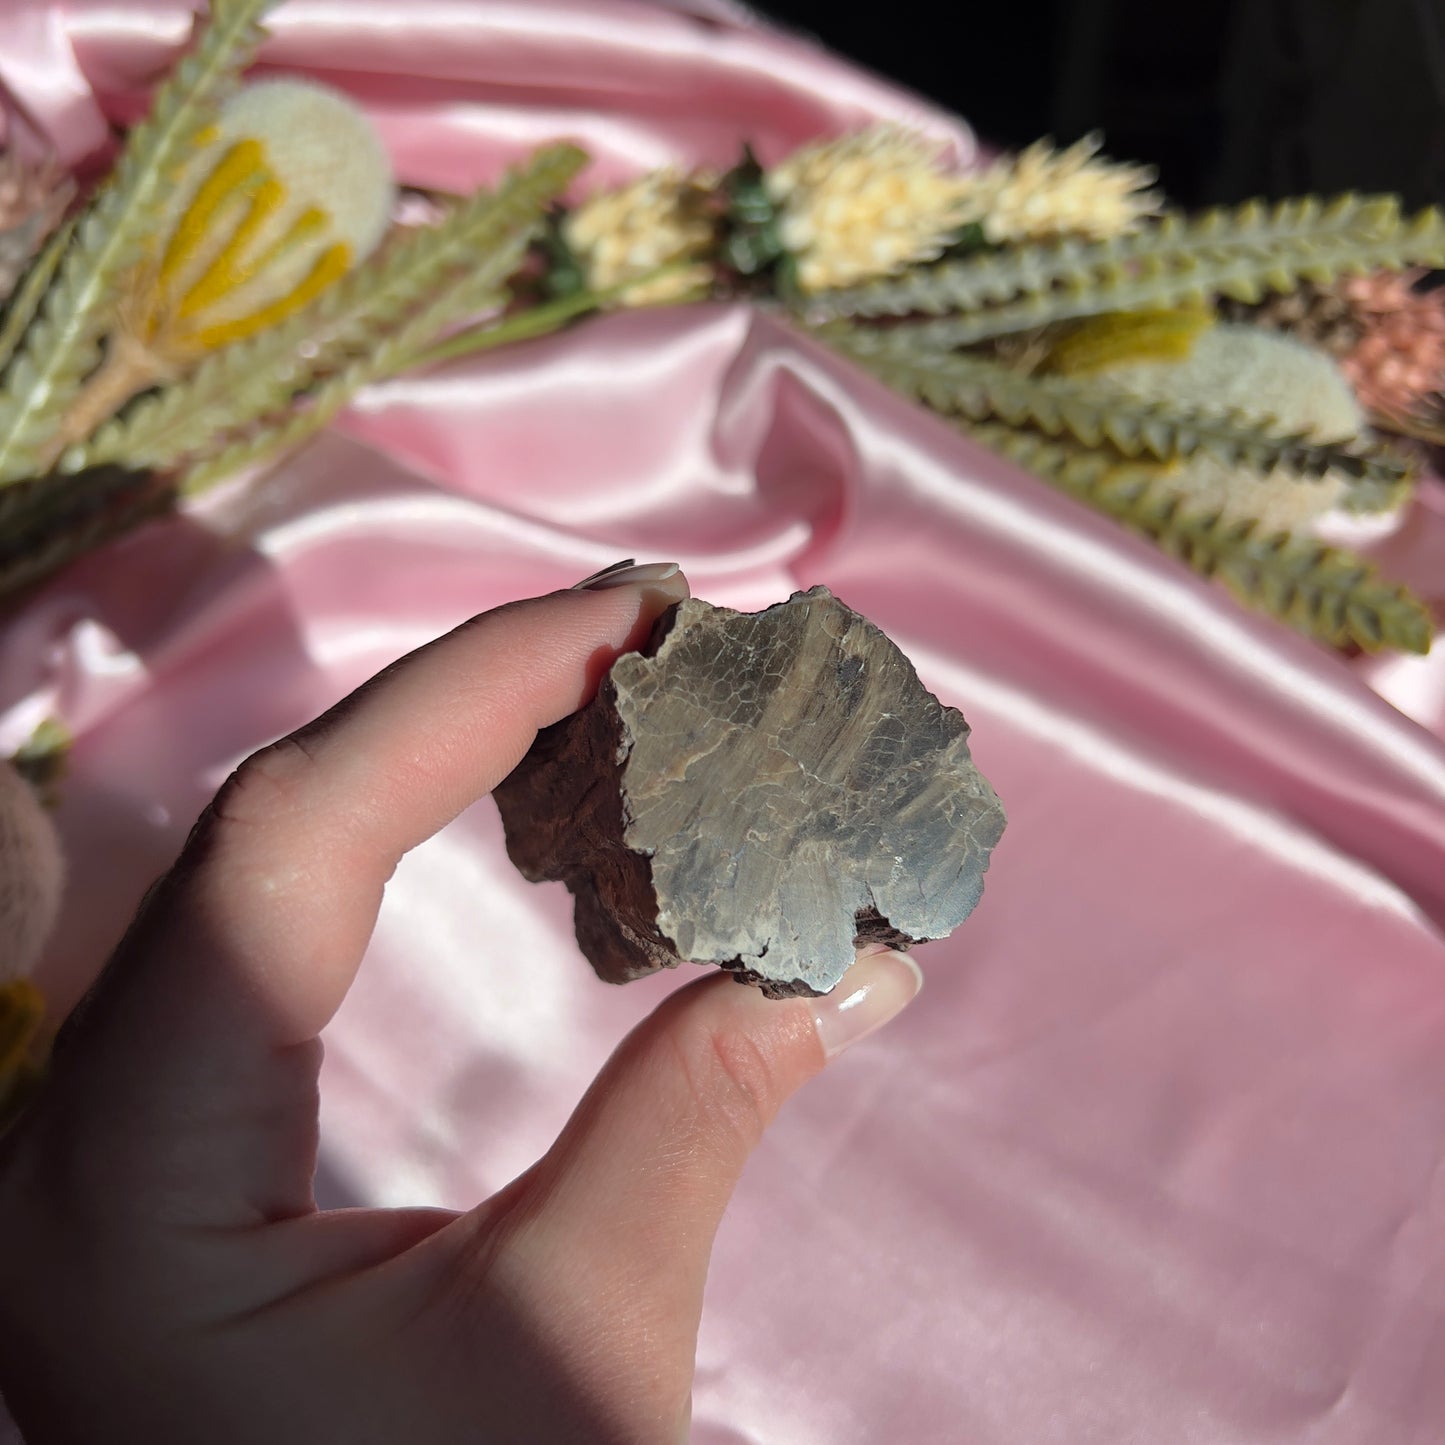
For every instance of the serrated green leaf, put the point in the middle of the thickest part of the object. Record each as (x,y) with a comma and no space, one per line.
(444,272)
(1241,253)
(291,426)
(25,302)
(1322,591)
(68,516)
(1089,410)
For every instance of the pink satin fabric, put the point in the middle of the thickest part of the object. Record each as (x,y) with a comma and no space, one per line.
(1156,1157)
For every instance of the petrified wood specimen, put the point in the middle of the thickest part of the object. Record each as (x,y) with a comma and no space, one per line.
(759,791)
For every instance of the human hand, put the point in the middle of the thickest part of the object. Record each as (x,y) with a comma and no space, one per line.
(165,1275)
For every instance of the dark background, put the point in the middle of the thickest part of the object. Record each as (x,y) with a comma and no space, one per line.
(1229,98)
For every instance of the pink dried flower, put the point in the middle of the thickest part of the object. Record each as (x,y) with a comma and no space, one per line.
(1398,365)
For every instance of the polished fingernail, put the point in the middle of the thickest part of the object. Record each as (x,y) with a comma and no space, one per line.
(621,566)
(627,574)
(878,987)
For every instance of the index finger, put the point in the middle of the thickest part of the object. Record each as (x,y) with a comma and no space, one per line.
(263,922)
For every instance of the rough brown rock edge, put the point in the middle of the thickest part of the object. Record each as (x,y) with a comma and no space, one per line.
(759,791)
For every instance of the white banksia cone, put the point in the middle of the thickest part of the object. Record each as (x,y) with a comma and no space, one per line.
(1043,193)
(1265,378)
(664,219)
(865,205)
(293,188)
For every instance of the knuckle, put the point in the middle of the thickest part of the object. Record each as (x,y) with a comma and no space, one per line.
(268,784)
(733,1082)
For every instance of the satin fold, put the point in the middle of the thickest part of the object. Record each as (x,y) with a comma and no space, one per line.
(1156,1156)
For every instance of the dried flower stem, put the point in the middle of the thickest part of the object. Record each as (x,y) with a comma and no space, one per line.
(129,367)
(525,325)
(522,326)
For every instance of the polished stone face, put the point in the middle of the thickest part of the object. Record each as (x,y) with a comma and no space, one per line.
(760,791)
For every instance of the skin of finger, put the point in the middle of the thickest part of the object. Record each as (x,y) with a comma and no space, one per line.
(608,1237)
(154,1296)
(353,1360)
(188,1094)
(730,1118)
(290,862)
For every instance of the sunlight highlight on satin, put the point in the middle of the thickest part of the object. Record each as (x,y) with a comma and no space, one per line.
(1251,825)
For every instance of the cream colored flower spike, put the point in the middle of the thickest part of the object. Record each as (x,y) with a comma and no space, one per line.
(865,205)
(1042,193)
(659,220)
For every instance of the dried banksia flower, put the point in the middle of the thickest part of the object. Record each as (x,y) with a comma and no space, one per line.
(1397,366)
(294,189)
(1315,314)
(665,219)
(1265,378)
(32,201)
(291,189)
(1044,193)
(865,205)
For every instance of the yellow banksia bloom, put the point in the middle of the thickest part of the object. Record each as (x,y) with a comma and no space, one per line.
(1116,338)
(662,220)
(865,205)
(1043,194)
(1265,378)
(290,189)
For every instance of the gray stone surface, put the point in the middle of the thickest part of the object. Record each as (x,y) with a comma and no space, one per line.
(759,791)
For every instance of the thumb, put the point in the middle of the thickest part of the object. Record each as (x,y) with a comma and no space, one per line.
(610,1234)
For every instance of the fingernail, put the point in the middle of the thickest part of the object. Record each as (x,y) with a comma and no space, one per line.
(626,574)
(877,987)
(621,566)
